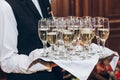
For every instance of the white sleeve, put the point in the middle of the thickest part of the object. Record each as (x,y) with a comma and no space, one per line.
(11,61)
(1,36)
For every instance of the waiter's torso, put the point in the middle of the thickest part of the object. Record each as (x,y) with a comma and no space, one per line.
(27,17)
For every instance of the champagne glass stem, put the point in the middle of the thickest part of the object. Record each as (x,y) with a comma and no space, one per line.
(86,50)
(66,54)
(44,47)
(66,51)
(90,53)
(103,46)
(98,42)
(89,49)
(52,51)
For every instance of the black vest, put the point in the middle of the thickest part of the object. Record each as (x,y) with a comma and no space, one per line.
(27,18)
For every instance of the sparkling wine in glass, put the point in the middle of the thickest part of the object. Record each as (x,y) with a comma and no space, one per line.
(97,23)
(87,34)
(68,38)
(52,36)
(42,31)
(104,31)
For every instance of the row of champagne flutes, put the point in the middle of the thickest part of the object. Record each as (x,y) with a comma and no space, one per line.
(62,33)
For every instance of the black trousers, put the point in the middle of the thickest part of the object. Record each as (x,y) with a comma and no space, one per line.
(41,75)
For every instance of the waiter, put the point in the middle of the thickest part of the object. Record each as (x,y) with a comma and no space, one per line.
(19,41)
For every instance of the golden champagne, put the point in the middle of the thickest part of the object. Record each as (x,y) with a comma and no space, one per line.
(76,32)
(96,30)
(52,36)
(103,34)
(43,34)
(67,36)
(87,35)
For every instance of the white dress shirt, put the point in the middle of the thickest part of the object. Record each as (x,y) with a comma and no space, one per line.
(10,60)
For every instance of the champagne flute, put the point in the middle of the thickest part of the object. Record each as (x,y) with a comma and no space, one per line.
(52,36)
(42,31)
(77,23)
(87,34)
(104,31)
(68,35)
(97,23)
(60,24)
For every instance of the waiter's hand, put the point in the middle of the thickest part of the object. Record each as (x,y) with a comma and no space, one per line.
(52,65)
(35,58)
(66,75)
